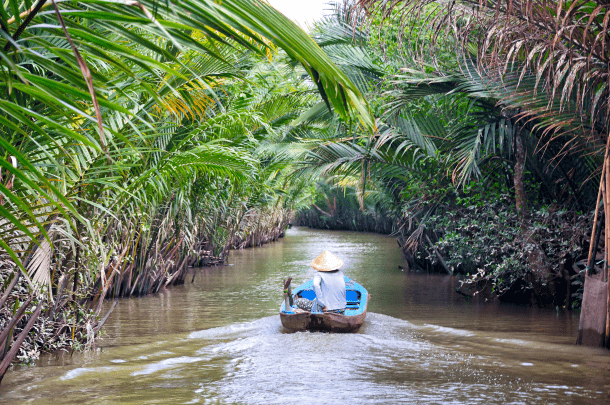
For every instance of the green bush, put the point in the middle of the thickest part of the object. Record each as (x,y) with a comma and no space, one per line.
(483,239)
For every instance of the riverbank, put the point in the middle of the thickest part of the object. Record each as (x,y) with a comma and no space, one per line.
(207,342)
(73,320)
(538,260)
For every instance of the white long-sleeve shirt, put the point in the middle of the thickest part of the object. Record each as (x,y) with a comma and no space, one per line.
(329,287)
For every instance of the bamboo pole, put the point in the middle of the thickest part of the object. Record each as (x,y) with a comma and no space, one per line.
(605,202)
(606,192)
(605,225)
(607,337)
(593,244)
(605,273)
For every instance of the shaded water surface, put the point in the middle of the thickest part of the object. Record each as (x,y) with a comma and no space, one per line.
(219,340)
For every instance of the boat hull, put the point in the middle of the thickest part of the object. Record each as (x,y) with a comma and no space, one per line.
(328,321)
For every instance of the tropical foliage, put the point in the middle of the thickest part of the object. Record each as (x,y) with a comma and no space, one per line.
(488,99)
(129,138)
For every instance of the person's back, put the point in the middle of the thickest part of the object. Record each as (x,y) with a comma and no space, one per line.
(328,284)
(329,287)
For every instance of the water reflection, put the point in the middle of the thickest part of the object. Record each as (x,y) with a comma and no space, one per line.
(219,340)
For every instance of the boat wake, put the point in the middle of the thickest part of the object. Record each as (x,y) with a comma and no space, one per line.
(387,361)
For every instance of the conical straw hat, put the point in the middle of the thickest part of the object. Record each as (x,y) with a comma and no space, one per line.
(326,262)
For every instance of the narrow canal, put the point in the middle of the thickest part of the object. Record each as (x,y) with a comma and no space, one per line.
(219,341)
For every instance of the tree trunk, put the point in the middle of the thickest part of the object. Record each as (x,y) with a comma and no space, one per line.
(15,347)
(520,197)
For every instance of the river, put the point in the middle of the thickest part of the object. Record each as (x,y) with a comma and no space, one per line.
(219,340)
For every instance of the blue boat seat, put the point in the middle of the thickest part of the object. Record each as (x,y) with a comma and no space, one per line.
(352,296)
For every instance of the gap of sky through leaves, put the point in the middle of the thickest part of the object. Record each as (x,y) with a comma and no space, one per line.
(303,12)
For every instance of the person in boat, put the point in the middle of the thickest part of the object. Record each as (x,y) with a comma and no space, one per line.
(328,284)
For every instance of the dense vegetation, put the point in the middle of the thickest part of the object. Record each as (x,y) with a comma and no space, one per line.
(133,141)
(492,122)
(139,139)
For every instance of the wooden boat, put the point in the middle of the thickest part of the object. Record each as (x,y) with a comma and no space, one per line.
(355,312)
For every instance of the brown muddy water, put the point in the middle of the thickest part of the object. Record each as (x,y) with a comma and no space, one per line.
(220,341)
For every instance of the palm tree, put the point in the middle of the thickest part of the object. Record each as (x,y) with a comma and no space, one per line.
(111,113)
(550,61)
(43,78)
